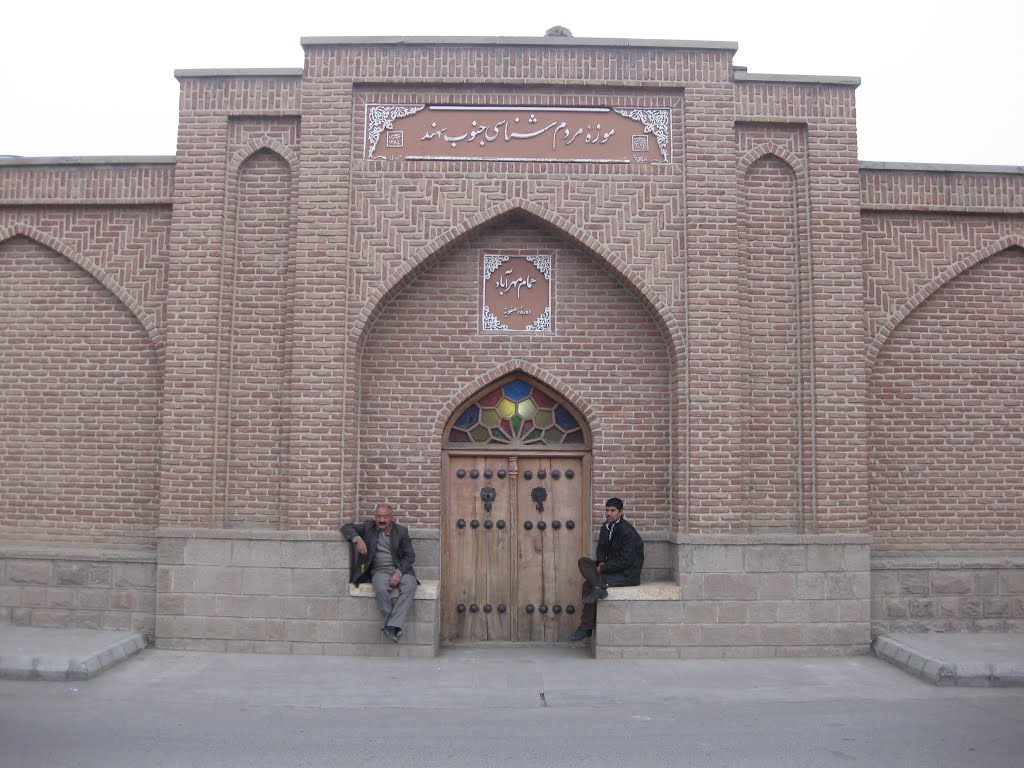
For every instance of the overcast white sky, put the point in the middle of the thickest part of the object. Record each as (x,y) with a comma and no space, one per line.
(942,82)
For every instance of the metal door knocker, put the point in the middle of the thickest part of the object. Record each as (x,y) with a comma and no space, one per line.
(539,496)
(487,496)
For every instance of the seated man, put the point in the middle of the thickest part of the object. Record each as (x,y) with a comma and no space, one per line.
(385,557)
(620,558)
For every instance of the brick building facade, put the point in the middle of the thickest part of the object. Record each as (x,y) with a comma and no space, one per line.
(802,373)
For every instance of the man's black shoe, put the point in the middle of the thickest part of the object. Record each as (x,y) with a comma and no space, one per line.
(580,634)
(391,633)
(599,593)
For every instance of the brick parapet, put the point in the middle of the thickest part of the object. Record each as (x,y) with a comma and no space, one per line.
(949,189)
(86,181)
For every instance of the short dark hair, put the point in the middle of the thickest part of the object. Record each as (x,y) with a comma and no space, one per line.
(614,501)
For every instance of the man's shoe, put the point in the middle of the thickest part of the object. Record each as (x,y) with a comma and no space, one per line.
(391,633)
(580,634)
(599,593)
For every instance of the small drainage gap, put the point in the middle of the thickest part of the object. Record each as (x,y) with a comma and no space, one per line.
(543,699)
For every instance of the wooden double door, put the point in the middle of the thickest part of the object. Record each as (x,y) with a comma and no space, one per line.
(513,530)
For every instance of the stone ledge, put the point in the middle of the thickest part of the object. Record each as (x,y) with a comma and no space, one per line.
(427,590)
(655,590)
(78,555)
(326,534)
(883,562)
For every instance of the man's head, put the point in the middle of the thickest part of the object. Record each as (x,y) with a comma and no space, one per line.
(384,517)
(613,510)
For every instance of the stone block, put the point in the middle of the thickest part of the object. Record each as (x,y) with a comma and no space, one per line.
(317,583)
(302,554)
(947,607)
(763,612)
(1011,582)
(266,581)
(810,586)
(792,611)
(915,583)
(182,578)
(822,611)
(842,586)
(87,619)
(33,597)
(885,583)
(222,628)
(60,597)
(714,558)
(952,583)
(43,617)
(233,605)
(972,607)
(170,551)
(200,605)
(336,556)
(733,612)
(219,579)
(897,608)
(170,604)
(825,557)
(329,632)
(782,634)
(10,597)
(134,575)
(670,635)
(730,586)
(701,612)
(853,633)
(774,558)
(854,611)
(119,620)
(627,634)
(691,586)
(253,630)
(94,599)
(997,607)
(986,583)
(856,557)
(653,612)
(121,600)
(922,608)
(29,572)
(324,608)
(215,552)
(777,586)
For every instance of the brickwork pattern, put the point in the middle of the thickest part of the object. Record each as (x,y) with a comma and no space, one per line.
(947,452)
(617,355)
(80,410)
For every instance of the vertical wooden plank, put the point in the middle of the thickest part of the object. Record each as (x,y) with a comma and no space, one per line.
(497,544)
(530,560)
(567,507)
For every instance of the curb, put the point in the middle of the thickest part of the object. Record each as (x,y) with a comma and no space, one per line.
(65,668)
(945,673)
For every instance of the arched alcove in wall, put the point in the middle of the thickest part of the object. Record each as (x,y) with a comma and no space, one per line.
(80,384)
(946,423)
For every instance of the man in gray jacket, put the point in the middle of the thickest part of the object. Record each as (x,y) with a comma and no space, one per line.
(385,557)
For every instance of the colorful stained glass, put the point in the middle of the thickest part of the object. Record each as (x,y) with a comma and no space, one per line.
(527,408)
(491,399)
(564,419)
(542,400)
(468,418)
(517,390)
(553,436)
(517,411)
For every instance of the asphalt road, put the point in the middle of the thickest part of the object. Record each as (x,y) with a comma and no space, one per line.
(176,710)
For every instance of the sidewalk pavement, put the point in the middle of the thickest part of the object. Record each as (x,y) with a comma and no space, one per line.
(947,659)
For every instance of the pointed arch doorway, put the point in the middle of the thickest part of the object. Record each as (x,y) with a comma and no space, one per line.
(515,516)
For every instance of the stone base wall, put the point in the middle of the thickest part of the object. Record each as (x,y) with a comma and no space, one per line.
(750,596)
(86,589)
(278,592)
(947,593)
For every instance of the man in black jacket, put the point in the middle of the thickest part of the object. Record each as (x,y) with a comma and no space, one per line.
(385,558)
(620,558)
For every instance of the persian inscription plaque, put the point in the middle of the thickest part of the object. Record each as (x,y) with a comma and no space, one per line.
(556,134)
(516,293)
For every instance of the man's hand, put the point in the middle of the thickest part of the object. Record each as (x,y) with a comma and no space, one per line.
(600,568)
(361,547)
(396,577)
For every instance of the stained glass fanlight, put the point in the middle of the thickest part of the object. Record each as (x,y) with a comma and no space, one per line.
(519,413)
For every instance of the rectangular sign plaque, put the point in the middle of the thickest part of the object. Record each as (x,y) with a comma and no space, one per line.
(556,134)
(516,293)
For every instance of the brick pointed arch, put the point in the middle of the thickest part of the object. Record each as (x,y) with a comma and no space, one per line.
(107,280)
(258,145)
(440,245)
(936,283)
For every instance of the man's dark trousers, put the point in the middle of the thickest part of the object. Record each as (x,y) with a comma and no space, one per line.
(591,581)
